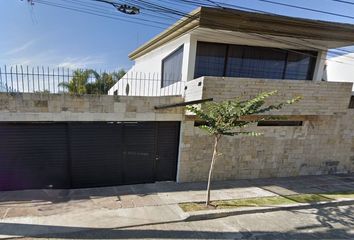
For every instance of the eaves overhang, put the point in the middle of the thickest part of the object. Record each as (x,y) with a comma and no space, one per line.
(250,22)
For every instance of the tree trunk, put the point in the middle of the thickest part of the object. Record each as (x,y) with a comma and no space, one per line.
(216,141)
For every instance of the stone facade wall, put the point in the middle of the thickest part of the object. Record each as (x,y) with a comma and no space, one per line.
(323,145)
(318,98)
(65,107)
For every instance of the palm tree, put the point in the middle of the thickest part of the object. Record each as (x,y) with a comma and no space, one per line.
(81,84)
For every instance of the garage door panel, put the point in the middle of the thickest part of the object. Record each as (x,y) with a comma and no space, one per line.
(167,150)
(96,158)
(33,156)
(139,152)
(139,133)
(86,154)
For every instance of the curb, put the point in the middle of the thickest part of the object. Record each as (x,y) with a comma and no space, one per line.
(213,214)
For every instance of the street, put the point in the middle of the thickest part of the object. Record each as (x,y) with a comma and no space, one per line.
(333,222)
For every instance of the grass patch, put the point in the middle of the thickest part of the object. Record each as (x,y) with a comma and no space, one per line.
(235,203)
(265,201)
(338,195)
(308,198)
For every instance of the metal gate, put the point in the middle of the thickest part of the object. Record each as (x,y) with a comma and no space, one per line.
(86,154)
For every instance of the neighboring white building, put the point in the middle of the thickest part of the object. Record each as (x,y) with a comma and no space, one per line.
(231,43)
(340,69)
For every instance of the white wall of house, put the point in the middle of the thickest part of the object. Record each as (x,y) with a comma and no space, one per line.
(144,78)
(341,69)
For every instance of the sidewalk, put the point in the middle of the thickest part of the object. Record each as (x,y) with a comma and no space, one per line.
(38,212)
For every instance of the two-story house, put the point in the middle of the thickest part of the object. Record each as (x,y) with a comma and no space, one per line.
(224,53)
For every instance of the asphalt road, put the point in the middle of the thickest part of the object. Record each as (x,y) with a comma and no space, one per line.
(335,222)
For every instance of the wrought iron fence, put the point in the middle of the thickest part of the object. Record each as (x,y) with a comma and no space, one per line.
(19,79)
(147,84)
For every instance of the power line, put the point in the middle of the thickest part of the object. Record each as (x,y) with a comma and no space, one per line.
(307,9)
(167,10)
(93,7)
(330,51)
(105,15)
(153,14)
(256,10)
(342,1)
(287,42)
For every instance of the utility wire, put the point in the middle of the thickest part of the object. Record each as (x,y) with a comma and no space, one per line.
(97,4)
(342,1)
(155,7)
(105,15)
(334,52)
(287,42)
(255,10)
(108,11)
(267,38)
(94,5)
(307,9)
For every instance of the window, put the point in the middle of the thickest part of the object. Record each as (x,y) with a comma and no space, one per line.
(210,59)
(172,68)
(351,103)
(261,63)
(300,66)
(215,59)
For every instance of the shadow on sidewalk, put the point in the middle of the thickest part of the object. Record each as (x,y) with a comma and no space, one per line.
(184,234)
(303,184)
(327,217)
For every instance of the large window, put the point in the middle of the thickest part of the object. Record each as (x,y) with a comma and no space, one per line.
(215,59)
(172,68)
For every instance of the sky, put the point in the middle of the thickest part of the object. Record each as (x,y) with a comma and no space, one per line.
(42,35)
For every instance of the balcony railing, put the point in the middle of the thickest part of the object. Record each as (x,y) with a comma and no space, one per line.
(145,84)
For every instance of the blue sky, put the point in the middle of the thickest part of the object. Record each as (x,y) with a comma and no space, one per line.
(42,35)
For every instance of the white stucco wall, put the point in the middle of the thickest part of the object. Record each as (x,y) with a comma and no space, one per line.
(144,78)
(341,69)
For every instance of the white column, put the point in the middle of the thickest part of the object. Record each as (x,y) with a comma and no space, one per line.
(191,57)
(320,65)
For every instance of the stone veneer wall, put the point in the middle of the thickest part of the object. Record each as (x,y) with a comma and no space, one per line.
(65,107)
(323,145)
(319,98)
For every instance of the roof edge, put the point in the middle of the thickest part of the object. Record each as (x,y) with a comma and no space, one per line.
(180,27)
(258,23)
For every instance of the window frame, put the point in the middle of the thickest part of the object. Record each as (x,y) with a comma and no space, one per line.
(162,65)
(311,67)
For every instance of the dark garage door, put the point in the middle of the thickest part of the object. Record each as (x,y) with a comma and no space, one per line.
(92,154)
(33,156)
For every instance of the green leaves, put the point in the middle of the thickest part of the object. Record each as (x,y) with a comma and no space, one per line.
(225,117)
(90,82)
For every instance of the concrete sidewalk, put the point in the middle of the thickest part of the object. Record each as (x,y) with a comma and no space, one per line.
(37,212)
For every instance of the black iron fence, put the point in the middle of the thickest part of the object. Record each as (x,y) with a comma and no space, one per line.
(19,79)
(147,84)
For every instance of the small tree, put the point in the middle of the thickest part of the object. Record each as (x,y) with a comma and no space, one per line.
(227,118)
